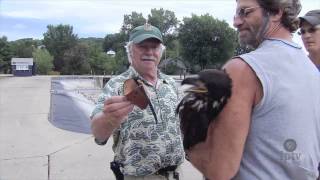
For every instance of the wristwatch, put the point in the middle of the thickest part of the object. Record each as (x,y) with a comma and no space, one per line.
(99,142)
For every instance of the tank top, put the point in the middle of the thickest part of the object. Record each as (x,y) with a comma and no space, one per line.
(284,136)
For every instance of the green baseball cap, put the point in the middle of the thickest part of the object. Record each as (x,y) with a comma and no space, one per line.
(144,32)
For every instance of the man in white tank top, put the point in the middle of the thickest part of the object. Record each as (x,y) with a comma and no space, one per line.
(270,128)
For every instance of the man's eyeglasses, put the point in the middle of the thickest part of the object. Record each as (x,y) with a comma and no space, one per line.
(310,30)
(244,12)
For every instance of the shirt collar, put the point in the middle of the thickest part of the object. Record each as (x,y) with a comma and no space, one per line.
(134,73)
(292,44)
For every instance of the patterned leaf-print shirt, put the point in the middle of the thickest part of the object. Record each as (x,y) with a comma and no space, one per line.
(141,145)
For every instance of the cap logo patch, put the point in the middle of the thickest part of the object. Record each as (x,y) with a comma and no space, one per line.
(147,27)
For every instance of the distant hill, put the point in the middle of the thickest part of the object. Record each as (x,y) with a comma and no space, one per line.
(92,41)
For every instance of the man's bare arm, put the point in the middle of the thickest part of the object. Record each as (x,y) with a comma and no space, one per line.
(219,157)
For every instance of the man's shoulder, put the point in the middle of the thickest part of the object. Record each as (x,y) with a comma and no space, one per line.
(236,63)
(167,78)
(239,70)
(119,78)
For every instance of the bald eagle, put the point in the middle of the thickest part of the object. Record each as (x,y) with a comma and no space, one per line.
(203,101)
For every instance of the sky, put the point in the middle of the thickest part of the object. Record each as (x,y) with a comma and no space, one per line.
(97,18)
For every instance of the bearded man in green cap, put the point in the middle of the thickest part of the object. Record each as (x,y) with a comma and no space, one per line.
(147,139)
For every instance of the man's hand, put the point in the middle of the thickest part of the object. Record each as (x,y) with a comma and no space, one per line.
(116,109)
(113,114)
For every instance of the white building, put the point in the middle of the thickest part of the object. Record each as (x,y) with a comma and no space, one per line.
(22,66)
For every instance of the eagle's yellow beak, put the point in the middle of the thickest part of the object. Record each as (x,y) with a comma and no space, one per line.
(197,90)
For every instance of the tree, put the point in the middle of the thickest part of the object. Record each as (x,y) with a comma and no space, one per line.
(122,62)
(114,42)
(206,41)
(117,41)
(242,49)
(165,20)
(43,61)
(59,39)
(102,63)
(92,41)
(5,55)
(23,48)
(173,47)
(97,59)
(131,21)
(167,23)
(97,63)
(76,60)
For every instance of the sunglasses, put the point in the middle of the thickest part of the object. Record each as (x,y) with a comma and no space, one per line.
(136,94)
(310,30)
(244,12)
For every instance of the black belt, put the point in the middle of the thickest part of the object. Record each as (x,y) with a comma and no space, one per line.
(165,172)
(166,169)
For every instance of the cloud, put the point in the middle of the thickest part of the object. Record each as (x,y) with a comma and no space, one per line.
(21,35)
(21,14)
(102,27)
(106,16)
(99,10)
(19,26)
(89,17)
